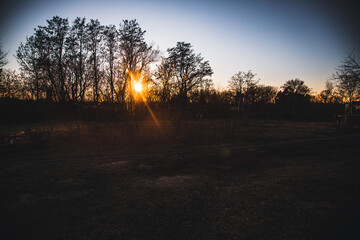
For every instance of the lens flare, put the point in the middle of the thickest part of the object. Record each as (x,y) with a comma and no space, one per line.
(138,87)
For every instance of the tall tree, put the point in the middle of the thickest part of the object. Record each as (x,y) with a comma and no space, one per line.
(347,78)
(190,70)
(94,32)
(76,55)
(110,50)
(242,84)
(35,63)
(28,56)
(45,52)
(3,60)
(56,32)
(164,75)
(136,55)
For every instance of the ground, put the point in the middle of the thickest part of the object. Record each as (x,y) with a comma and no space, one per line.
(267,180)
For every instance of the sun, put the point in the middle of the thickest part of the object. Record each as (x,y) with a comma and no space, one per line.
(138,87)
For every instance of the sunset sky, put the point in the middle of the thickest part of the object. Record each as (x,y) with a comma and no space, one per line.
(278,40)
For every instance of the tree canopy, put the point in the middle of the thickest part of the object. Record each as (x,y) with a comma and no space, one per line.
(3,55)
(295,86)
(189,69)
(347,78)
(84,61)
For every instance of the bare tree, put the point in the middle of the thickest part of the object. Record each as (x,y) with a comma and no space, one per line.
(242,84)
(110,50)
(3,60)
(11,85)
(55,33)
(190,70)
(76,56)
(136,55)
(347,78)
(164,75)
(329,94)
(29,56)
(94,32)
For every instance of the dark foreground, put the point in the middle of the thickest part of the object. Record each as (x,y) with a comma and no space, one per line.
(290,188)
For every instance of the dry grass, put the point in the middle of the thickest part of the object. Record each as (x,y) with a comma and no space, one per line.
(263,180)
(74,136)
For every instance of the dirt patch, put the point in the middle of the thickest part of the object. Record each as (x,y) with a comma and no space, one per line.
(175,181)
(115,164)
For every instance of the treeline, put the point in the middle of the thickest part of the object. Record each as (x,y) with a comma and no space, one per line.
(87,63)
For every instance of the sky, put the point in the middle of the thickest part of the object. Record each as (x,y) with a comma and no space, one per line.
(278,40)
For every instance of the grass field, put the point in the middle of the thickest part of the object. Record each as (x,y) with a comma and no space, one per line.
(182,180)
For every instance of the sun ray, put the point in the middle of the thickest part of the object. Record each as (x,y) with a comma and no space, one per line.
(138,87)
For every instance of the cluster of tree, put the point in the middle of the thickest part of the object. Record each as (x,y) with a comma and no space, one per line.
(85,61)
(246,91)
(89,62)
(12,85)
(181,74)
(344,85)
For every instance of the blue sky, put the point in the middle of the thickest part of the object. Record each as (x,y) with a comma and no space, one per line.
(278,40)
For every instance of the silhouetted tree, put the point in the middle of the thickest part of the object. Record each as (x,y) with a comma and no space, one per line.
(347,78)
(3,60)
(11,85)
(190,70)
(55,33)
(225,97)
(295,86)
(43,59)
(329,94)
(136,55)
(94,33)
(164,75)
(76,43)
(265,94)
(243,84)
(294,98)
(203,95)
(110,50)
(29,57)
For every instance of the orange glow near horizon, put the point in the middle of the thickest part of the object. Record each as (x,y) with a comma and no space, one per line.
(148,107)
(138,87)
(136,79)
